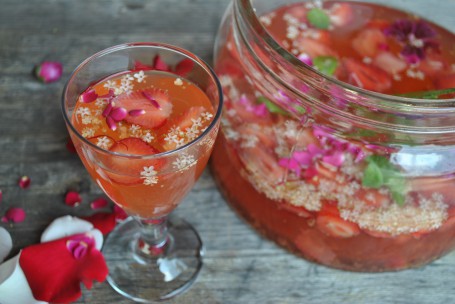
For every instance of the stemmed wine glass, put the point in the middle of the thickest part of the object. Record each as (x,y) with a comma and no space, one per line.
(150,256)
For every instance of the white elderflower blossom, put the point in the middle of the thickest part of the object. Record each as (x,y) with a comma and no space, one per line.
(140,76)
(149,176)
(103,142)
(148,137)
(184,162)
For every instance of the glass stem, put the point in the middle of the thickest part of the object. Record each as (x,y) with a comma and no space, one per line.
(154,239)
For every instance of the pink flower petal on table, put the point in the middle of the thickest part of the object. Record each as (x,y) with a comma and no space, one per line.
(55,274)
(73,199)
(12,280)
(99,203)
(79,245)
(6,244)
(118,113)
(137,112)
(24,182)
(49,71)
(89,96)
(14,215)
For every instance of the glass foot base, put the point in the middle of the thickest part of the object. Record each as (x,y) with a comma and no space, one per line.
(147,279)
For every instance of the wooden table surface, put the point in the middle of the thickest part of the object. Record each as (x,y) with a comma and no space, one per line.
(240,266)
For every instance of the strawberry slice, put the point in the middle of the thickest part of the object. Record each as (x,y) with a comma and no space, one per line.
(184,122)
(127,171)
(336,227)
(261,160)
(341,14)
(154,102)
(368,42)
(188,117)
(315,48)
(366,76)
(390,63)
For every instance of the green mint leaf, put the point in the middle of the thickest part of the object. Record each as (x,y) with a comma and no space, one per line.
(380,172)
(273,108)
(372,176)
(436,94)
(318,18)
(398,197)
(327,65)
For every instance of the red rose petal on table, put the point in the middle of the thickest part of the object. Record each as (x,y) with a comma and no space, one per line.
(24,182)
(120,214)
(159,64)
(54,272)
(73,199)
(89,96)
(49,71)
(99,203)
(184,67)
(70,146)
(141,66)
(14,215)
(103,221)
(1,195)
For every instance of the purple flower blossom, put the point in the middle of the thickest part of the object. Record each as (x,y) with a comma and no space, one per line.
(417,36)
(259,110)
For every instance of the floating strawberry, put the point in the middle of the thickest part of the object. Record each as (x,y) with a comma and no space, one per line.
(369,42)
(389,62)
(336,227)
(154,105)
(366,76)
(341,14)
(187,119)
(127,171)
(315,48)
(261,161)
(445,81)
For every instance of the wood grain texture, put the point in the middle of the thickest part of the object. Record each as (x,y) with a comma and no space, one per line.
(240,266)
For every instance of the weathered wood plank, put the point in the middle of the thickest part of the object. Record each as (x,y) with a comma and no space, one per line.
(240,265)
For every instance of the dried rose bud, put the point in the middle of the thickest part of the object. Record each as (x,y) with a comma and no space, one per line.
(49,71)
(73,199)
(24,182)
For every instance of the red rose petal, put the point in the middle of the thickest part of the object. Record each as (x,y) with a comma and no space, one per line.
(54,274)
(99,203)
(1,195)
(141,66)
(73,199)
(159,64)
(14,215)
(89,96)
(120,214)
(24,182)
(184,67)
(107,110)
(103,221)
(111,123)
(70,146)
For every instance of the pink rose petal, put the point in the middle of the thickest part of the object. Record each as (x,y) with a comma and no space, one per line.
(73,199)
(49,71)
(14,215)
(335,160)
(79,245)
(118,113)
(152,100)
(137,112)
(111,123)
(89,96)
(107,110)
(99,203)
(24,182)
